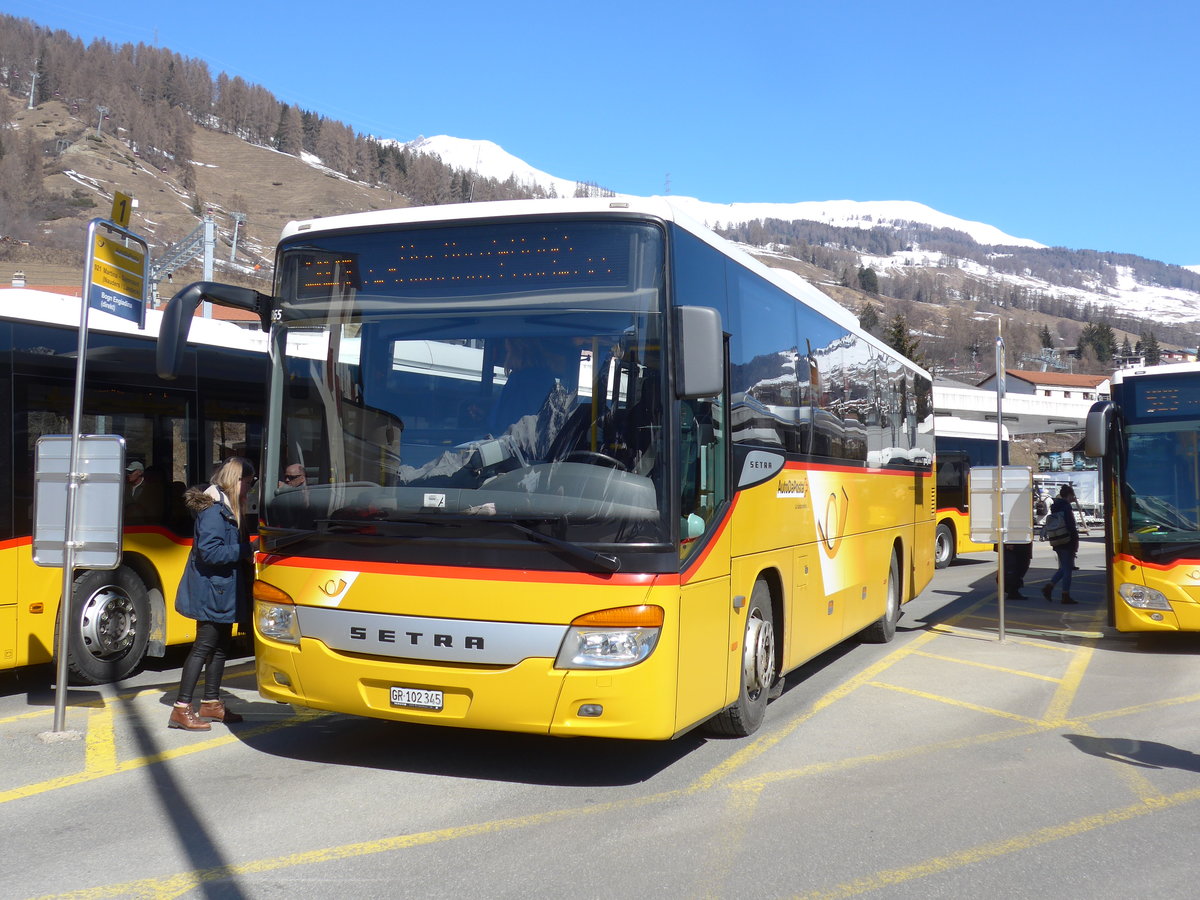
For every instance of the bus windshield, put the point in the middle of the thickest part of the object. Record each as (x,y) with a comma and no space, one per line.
(1162,482)
(492,385)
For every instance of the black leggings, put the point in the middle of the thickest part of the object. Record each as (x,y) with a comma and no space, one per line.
(214,641)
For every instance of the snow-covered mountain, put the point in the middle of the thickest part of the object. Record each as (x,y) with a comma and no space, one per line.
(493,161)
(1127,297)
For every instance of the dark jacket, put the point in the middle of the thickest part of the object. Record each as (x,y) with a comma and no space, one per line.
(1062,505)
(216,585)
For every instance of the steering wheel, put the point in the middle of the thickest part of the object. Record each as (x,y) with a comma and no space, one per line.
(591,457)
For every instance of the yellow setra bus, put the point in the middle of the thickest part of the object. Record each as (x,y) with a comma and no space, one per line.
(570,467)
(1148,435)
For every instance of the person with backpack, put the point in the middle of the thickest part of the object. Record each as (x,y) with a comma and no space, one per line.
(1062,532)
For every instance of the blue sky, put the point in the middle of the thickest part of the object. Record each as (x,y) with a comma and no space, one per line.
(1070,123)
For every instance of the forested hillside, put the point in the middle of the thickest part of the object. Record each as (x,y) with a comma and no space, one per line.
(80,121)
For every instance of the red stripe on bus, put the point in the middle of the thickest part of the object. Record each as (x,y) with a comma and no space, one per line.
(467,573)
(1133,560)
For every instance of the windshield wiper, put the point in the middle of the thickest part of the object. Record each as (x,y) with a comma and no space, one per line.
(370,525)
(604,561)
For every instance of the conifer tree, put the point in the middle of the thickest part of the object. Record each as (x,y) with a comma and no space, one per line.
(868,317)
(898,338)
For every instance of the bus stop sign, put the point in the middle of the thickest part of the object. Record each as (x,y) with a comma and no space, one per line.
(1016,498)
(98,506)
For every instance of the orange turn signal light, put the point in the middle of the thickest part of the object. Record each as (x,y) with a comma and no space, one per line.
(642,616)
(271,594)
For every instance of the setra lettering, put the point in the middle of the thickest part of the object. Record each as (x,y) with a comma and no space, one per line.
(416,638)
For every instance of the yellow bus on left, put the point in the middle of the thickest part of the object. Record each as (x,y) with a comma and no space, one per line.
(175,433)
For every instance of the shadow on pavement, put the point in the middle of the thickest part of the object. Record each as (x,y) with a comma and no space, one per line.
(1143,754)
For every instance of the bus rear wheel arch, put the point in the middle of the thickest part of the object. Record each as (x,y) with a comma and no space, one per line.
(757,672)
(110,626)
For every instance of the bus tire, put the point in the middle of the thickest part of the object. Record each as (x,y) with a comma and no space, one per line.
(110,626)
(943,546)
(757,672)
(883,629)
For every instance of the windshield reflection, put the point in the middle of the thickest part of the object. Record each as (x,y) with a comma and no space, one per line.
(551,419)
(1161,483)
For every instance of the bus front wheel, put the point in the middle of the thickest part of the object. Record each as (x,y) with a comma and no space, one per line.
(110,626)
(757,671)
(943,546)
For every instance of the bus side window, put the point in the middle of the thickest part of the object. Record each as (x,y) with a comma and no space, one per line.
(702,455)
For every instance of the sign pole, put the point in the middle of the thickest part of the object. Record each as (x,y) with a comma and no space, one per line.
(122,285)
(65,611)
(999,488)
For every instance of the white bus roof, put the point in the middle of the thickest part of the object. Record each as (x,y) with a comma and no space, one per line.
(659,207)
(45,307)
(1169,369)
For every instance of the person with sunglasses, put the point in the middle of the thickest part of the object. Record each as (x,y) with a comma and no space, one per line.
(293,477)
(214,590)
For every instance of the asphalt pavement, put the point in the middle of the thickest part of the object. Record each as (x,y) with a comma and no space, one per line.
(950,763)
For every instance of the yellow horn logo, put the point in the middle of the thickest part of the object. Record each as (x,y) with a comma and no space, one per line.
(332,588)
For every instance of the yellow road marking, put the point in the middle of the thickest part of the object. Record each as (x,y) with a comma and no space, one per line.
(979,665)
(101,748)
(742,802)
(1139,785)
(995,849)
(115,768)
(761,745)
(180,883)
(1061,702)
(838,765)
(1140,707)
(951,701)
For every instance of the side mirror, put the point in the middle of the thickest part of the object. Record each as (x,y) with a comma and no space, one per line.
(177,318)
(1096,431)
(699,352)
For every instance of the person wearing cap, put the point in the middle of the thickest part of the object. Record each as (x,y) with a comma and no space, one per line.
(135,477)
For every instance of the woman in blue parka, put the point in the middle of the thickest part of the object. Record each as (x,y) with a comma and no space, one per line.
(214,590)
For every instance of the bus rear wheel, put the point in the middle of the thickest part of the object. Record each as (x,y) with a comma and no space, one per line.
(110,626)
(943,546)
(758,670)
(883,629)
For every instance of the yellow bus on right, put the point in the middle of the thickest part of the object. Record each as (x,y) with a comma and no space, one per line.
(1148,436)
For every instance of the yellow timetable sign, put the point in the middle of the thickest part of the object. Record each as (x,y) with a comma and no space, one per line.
(118,278)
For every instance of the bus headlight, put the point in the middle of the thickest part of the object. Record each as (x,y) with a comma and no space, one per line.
(1141,597)
(611,638)
(275,614)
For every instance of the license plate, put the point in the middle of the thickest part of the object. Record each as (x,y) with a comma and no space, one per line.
(417,698)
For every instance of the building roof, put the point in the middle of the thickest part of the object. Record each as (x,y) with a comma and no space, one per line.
(1054,379)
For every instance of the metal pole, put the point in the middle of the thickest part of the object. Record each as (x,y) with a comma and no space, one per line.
(73,478)
(999,483)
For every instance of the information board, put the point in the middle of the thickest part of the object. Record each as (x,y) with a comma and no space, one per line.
(1016,501)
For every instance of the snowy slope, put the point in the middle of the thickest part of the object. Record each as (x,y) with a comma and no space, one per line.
(1128,297)
(492,161)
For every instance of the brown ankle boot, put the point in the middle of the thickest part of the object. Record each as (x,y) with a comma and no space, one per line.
(216,710)
(183,717)
(1066,598)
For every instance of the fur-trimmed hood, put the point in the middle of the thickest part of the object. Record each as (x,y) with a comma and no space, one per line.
(202,496)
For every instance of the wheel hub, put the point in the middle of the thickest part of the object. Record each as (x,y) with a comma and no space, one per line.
(108,622)
(758,658)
